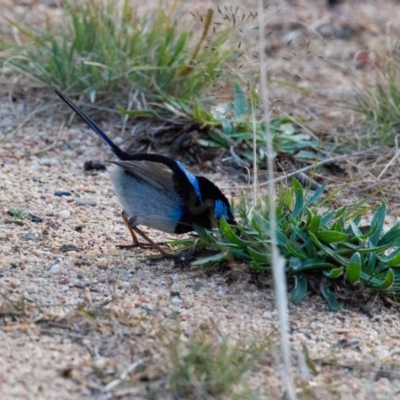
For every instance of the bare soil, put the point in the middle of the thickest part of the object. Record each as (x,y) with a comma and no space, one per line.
(81,319)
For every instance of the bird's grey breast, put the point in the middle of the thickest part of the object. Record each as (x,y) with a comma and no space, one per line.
(146,192)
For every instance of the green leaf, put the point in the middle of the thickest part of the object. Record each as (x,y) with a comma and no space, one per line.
(378,221)
(316,196)
(331,195)
(307,222)
(240,101)
(330,298)
(219,138)
(356,211)
(327,218)
(211,260)
(315,223)
(371,263)
(313,264)
(341,260)
(262,225)
(306,154)
(370,250)
(300,289)
(353,270)
(334,273)
(332,236)
(296,252)
(287,128)
(258,267)
(340,212)
(359,235)
(207,143)
(257,256)
(294,264)
(386,283)
(392,259)
(299,198)
(227,231)
(392,236)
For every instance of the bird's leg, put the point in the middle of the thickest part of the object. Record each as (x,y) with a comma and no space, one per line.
(136,242)
(153,244)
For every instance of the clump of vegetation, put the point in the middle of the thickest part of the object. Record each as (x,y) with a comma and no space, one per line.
(211,368)
(104,49)
(381,104)
(315,239)
(230,126)
(16,213)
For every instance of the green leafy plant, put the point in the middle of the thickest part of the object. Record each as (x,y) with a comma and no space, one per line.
(230,126)
(315,240)
(103,48)
(232,129)
(212,368)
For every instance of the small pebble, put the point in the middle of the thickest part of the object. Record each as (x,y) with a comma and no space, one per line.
(48,161)
(85,202)
(61,193)
(65,248)
(55,269)
(102,263)
(35,218)
(64,214)
(32,236)
(144,299)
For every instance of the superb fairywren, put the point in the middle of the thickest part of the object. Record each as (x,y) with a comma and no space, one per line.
(159,192)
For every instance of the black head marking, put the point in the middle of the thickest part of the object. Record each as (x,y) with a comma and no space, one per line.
(214,205)
(210,191)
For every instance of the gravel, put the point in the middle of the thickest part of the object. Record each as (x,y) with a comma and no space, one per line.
(61,275)
(71,259)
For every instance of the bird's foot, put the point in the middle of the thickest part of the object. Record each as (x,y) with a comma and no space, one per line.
(133,246)
(156,246)
(140,245)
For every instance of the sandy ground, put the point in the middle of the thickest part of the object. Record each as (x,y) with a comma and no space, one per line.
(76,314)
(50,349)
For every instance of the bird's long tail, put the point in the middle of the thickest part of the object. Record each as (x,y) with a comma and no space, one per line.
(121,154)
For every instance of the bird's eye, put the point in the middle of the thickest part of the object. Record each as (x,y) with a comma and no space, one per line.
(220,209)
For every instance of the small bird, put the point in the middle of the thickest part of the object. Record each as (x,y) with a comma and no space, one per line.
(158,192)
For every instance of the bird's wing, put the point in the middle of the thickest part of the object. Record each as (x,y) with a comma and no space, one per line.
(155,173)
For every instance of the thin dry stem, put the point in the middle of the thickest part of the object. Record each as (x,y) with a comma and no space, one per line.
(309,167)
(278,262)
(255,166)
